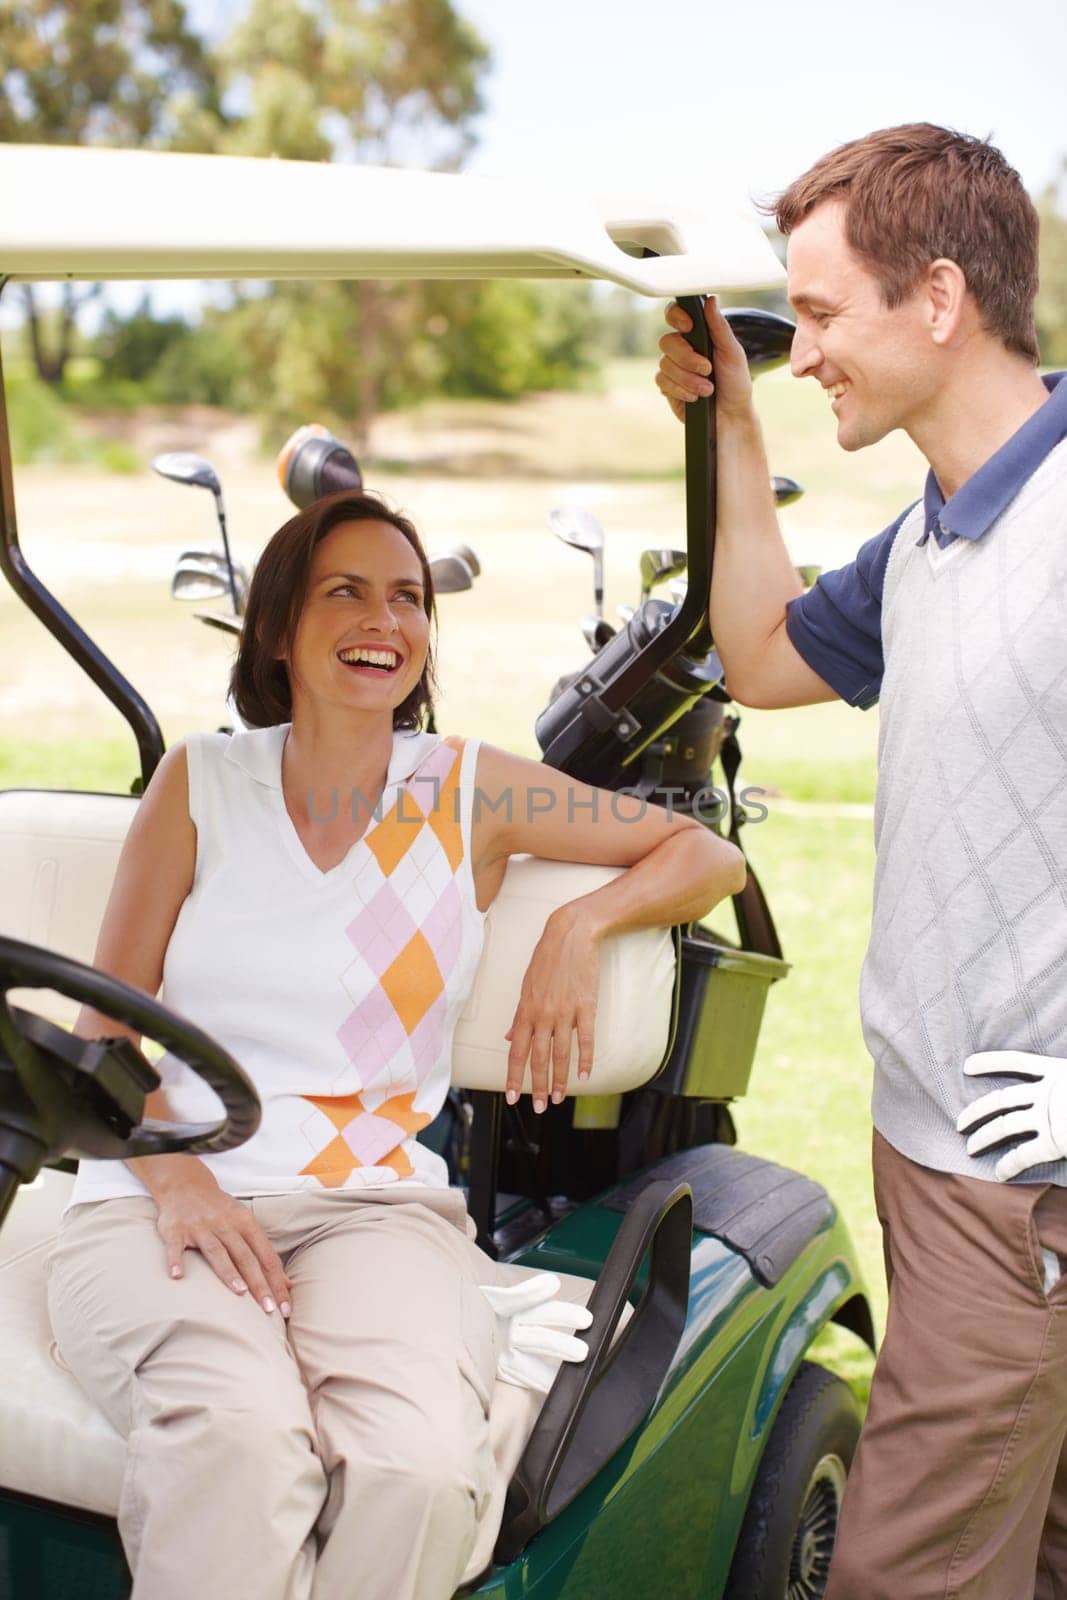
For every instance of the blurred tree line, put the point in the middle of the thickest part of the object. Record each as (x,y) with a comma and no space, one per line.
(1052,296)
(388,82)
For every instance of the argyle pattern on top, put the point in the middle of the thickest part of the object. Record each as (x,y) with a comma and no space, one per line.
(406,938)
(968,946)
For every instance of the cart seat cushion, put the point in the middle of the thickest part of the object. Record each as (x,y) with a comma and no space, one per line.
(55,1444)
(58,853)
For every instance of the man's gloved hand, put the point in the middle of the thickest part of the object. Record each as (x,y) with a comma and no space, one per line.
(536,1330)
(1033,1111)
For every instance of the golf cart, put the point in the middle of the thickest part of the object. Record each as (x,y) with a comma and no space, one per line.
(695,1453)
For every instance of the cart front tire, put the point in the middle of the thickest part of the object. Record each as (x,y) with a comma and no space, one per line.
(787,1537)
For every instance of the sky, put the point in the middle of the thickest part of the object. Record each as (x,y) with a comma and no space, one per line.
(747,94)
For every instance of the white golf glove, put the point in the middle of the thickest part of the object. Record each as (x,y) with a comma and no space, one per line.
(1033,1111)
(536,1331)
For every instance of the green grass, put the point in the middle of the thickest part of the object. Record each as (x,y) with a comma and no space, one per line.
(106,765)
(825,752)
(808,1101)
(45,428)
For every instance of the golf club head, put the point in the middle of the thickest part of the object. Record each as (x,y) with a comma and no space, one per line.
(766,337)
(312,462)
(451,573)
(578,527)
(624,613)
(659,565)
(596,631)
(786,490)
(204,575)
(181,466)
(469,557)
(199,575)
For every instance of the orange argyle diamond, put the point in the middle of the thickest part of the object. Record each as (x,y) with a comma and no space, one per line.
(413,982)
(335,1163)
(444,818)
(400,1110)
(332,1166)
(391,840)
(398,1160)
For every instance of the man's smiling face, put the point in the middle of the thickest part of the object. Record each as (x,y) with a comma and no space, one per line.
(878,365)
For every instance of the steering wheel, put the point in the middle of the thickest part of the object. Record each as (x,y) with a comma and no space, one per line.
(59,1093)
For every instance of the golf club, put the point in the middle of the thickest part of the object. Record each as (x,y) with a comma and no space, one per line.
(578,527)
(657,566)
(786,490)
(451,573)
(181,466)
(312,462)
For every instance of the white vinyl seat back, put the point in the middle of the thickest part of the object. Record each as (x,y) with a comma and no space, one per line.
(58,853)
(637,971)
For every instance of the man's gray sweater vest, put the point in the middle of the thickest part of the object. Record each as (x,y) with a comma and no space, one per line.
(969,934)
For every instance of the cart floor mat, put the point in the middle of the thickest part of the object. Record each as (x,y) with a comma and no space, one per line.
(765,1212)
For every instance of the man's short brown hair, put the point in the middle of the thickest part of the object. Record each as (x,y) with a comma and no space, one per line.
(916,193)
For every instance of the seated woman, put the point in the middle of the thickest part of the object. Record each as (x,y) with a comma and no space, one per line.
(292,1335)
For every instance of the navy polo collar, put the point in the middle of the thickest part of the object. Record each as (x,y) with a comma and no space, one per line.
(977,504)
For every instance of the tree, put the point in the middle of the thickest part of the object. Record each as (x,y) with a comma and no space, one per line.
(387,82)
(1051,309)
(94,72)
(133,346)
(502,339)
(396,82)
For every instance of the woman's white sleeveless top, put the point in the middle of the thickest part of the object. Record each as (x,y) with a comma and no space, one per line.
(338,992)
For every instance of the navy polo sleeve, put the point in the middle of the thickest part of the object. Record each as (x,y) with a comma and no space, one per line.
(837,624)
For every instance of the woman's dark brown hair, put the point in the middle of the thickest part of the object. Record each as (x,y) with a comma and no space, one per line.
(259,682)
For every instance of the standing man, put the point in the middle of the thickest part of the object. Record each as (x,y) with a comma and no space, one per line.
(912,272)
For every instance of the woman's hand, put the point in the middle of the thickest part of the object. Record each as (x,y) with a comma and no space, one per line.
(195,1214)
(559,995)
(685,375)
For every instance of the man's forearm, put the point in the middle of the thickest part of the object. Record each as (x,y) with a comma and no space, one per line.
(753,575)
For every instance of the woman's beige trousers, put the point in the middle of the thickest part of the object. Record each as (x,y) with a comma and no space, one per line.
(343,1455)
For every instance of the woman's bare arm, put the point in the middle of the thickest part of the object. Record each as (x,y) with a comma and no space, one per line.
(153,878)
(678,870)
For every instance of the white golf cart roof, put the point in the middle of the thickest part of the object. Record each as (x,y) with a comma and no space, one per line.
(100,214)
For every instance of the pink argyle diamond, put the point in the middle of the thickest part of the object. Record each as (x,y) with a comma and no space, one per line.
(372,1035)
(443,929)
(381,930)
(426,1040)
(370,1138)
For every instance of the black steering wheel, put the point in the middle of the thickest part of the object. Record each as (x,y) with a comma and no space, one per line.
(60,1094)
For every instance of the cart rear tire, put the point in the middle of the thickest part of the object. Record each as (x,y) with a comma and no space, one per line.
(788,1533)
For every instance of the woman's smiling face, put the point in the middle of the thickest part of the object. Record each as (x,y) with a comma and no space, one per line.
(363,633)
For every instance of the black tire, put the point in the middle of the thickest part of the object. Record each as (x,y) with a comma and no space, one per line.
(787,1537)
